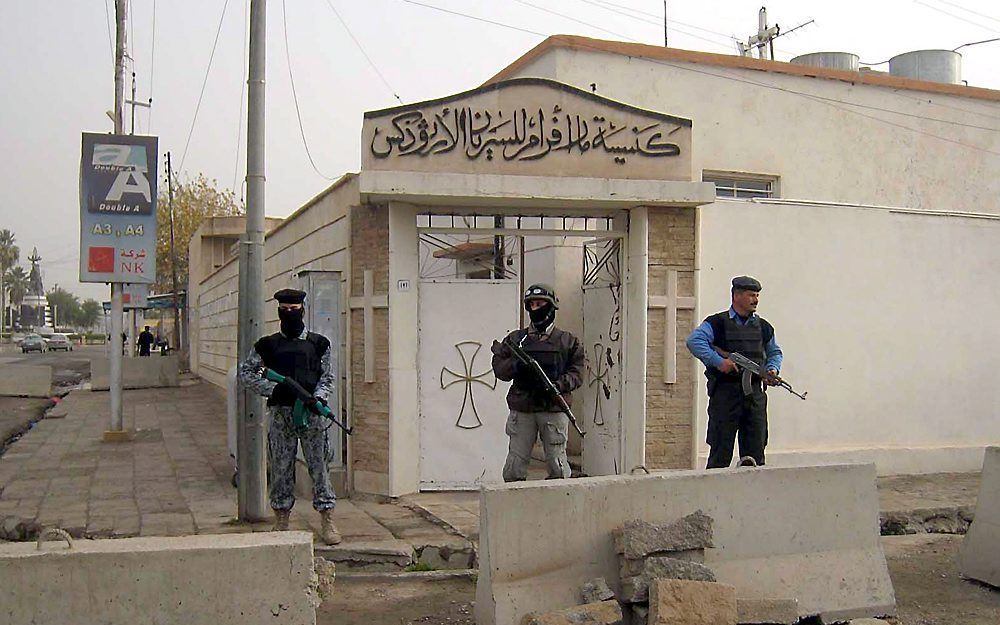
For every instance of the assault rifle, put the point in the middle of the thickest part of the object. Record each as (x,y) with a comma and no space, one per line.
(303,399)
(751,368)
(536,368)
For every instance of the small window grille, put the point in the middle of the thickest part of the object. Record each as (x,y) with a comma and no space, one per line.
(745,186)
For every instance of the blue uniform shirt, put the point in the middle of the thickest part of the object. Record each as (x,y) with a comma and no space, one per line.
(700,344)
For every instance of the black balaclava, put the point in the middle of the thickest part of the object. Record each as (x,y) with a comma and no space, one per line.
(542,318)
(291,322)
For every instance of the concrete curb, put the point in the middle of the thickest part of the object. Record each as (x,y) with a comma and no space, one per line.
(411,576)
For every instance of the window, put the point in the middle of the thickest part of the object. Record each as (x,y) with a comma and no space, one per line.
(742,186)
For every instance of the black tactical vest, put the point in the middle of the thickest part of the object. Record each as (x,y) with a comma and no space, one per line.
(550,357)
(748,340)
(297,358)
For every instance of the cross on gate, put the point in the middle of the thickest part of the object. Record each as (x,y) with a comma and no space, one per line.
(670,303)
(368,302)
(469,378)
(598,375)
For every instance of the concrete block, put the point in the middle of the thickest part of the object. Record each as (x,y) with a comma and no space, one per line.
(637,538)
(196,580)
(632,567)
(603,613)
(26,381)
(596,590)
(979,557)
(805,532)
(684,602)
(151,372)
(636,589)
(767,611)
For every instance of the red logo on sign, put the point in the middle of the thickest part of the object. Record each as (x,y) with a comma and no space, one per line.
(101,259)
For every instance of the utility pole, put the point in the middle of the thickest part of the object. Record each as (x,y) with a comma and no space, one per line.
(763,39)
(666,44)
(117,308)
(251,460)
(173,253)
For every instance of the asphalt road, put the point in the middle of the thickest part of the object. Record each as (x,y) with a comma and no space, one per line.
(68,368)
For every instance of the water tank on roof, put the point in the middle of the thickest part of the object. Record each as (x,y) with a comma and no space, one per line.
(933,65)
(829,60)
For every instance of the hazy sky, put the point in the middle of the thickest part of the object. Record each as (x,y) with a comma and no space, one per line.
(57,76)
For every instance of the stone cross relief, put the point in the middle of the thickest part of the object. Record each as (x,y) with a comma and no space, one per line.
(368,302)
(670,303)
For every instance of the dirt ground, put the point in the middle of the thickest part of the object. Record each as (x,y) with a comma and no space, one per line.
(928,588)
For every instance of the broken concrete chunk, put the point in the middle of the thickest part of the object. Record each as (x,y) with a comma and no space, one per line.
(636,589)
(636,539)
(634,566)
(684,602)
(603,613)
(596,590)
(767,611)
(640,614)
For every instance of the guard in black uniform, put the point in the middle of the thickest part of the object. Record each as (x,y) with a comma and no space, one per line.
(307,358)
(730,411)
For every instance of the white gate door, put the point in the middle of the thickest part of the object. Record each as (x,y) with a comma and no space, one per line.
(463,406)
(601,413)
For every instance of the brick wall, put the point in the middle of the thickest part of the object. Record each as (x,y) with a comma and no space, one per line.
(370,400)
(670,407)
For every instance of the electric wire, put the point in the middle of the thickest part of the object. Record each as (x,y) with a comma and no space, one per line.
(673,23)
(573,19)
(365,54)
(107,22)
(243,88)
(204,83)
(295,97)
(957,17)
(478,19)
(968,10)
(605,4)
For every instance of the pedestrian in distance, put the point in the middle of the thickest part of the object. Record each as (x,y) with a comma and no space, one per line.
(145,341)
(307,358)
(534,411)
(733,412)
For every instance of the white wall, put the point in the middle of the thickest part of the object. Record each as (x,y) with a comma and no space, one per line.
(822,148)
(884,317)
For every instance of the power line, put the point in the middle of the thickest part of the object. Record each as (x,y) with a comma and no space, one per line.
(573,19)
(152,66)
(967,10)
(295,97)
(478,19)
(107,22)
(243,87)
(362,49)
(953,16)
(673,23)
(203,84)
(605,4)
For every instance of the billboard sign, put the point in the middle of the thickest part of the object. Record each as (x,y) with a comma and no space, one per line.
(118,208)
(135,296)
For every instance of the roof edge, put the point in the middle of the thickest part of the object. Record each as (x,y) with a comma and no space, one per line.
(641,50)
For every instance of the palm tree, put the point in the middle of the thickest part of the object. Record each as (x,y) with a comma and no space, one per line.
(17,285)
(9,254)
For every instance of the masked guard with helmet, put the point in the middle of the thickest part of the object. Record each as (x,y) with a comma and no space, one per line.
(534,411)
(305,357)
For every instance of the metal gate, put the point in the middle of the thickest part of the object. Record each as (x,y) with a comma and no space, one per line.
(601,415)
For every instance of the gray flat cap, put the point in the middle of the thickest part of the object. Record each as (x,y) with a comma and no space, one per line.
(746,283)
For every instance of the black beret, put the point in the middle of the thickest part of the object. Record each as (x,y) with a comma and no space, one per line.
(290,296)
(746,283)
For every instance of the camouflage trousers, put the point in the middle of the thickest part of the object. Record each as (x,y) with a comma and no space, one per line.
(282,444)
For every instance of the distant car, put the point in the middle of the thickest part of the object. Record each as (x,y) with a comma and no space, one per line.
(33,343)
(59,341)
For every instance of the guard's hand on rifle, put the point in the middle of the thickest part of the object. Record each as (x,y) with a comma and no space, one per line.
(501,349)
(727,366)
(314,405)
(771,378)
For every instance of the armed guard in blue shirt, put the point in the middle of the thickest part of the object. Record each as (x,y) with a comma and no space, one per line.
(732,409)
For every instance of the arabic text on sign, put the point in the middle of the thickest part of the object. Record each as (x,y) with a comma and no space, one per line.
(520,136)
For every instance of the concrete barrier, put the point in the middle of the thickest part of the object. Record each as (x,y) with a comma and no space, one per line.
(151,372)
(806,533)
(979,557)
(235,579)
(26,381)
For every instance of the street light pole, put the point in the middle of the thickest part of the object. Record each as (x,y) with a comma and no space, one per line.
(252,427)
(117,307)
